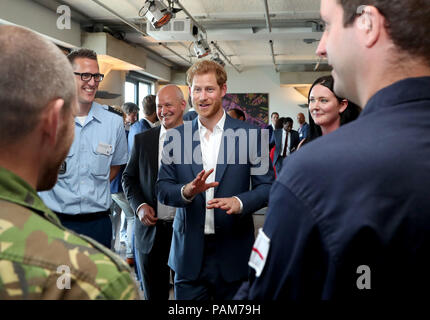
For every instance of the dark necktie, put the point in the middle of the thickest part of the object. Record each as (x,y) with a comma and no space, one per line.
(284,153)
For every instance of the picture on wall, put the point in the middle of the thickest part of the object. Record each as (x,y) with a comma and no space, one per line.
(254,105)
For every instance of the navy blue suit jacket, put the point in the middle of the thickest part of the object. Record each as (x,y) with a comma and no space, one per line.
(358,196)
(234,233)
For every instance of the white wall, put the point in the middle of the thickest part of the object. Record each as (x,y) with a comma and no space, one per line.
(113,82)
(284,100)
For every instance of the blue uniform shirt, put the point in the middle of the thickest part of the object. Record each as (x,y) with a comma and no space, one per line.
(304,131)
(353,208)
(98,144)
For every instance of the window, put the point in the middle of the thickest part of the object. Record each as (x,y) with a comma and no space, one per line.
(144,90)
(137,87)
(130,92)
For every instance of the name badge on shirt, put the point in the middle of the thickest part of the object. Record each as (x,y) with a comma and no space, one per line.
(259,252)
(104,148)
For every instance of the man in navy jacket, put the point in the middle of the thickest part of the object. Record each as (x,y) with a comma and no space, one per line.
(215,158)
(351,215)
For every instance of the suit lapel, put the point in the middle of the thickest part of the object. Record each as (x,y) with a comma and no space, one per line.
(223,157)
(153,150)
(196,166)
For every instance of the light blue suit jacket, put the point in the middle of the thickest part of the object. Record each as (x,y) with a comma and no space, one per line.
(234,233)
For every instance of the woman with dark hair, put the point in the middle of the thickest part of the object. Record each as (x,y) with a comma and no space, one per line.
(327,111)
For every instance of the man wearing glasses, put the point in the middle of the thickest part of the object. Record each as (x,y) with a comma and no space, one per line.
(81,197)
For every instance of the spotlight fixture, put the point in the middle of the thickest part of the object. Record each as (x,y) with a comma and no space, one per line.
(157,13)
(201,46)
(215,57)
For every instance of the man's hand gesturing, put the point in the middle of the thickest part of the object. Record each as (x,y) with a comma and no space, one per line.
(199,184)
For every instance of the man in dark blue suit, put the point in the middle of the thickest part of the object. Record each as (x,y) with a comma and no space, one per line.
(350,218)
(209,181)
(286,141)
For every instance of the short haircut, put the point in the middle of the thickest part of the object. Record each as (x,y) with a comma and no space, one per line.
(33,73)
(82,53)
(407,24)
(129,107)
(178,91)
(149,105)
(273,114)
(287,119)
(204,67)
(239,113)
(279,123)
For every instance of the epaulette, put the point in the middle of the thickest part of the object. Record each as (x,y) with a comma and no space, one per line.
(116,111)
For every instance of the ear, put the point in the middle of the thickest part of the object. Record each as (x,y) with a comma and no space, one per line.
(343,105)
(51,120)
(183,105)
(223,89)
(371,23)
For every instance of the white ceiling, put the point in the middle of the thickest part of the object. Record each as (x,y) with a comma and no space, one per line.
(237,26)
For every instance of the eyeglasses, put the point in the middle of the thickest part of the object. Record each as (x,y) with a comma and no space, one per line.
(87,76)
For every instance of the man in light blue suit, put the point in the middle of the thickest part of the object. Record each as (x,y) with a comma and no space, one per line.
(206,171)
(148,122)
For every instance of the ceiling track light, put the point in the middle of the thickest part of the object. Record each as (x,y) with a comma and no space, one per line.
(201,46)
(215,57)
(157,13)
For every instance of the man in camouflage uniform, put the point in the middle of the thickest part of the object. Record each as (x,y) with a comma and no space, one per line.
(39,258)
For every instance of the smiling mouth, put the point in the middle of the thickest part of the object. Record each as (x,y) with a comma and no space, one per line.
(89,90)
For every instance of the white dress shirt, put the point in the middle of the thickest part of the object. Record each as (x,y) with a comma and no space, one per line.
(210,143)
(284,133)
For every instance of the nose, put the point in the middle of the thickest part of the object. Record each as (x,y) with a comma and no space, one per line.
(321,50)
(92,82)
(163,111)
(202,95)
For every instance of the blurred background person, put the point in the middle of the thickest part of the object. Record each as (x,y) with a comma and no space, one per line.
(122,214)
(237,114)
(149,121)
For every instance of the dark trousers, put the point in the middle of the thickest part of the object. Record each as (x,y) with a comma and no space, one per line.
(210,284)
(153,266)
(97,226)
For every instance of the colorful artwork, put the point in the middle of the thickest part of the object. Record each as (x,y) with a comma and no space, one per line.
(255,106)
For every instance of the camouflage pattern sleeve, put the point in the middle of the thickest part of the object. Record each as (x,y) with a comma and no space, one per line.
(40,260)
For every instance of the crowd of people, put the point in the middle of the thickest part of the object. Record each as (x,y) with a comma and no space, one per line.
(348,209)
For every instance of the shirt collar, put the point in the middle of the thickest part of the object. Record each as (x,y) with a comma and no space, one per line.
(403,91)
(95,112)
(14,189)
(152,125)
(162,131)
(218,127)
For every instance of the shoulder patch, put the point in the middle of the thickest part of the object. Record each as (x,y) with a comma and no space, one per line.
(259,252)
(111,109)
